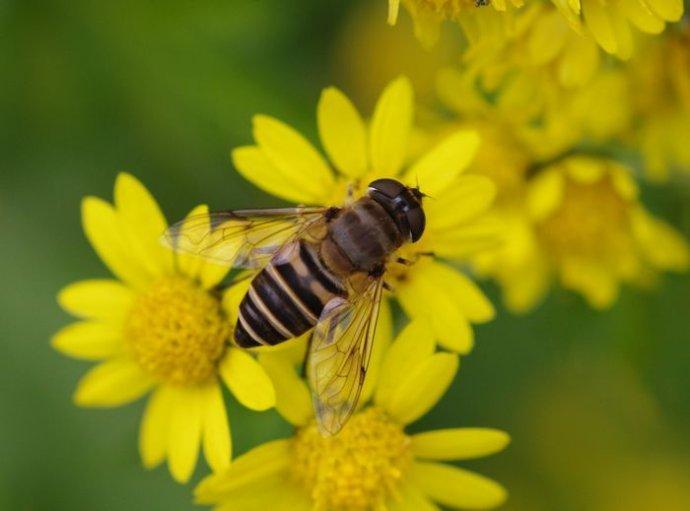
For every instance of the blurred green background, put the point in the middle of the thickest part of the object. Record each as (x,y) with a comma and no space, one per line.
(598,404)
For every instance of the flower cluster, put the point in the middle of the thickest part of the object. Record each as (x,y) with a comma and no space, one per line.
(163,327)
(530,173)
(562,126)
(610,25)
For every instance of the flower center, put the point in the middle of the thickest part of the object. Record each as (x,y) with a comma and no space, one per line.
(358,469)
(591,222)
(177,331)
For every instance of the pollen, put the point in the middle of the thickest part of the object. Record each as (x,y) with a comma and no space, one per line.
(359,469)
(177,331)
(592,223)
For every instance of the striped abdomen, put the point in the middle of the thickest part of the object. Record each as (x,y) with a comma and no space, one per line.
(286,298)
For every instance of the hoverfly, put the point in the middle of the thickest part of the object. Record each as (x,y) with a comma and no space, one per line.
(320,268)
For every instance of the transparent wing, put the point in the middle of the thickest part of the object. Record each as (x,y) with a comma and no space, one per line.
(339,356)
(242,238)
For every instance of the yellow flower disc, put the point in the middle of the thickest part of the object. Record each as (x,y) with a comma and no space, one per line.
(176,331)
(592,222)
(359,469)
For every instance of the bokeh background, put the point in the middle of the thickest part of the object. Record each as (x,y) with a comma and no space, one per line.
(598,404)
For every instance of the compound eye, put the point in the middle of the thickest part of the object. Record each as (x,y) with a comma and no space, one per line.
(388,187)
(417,222)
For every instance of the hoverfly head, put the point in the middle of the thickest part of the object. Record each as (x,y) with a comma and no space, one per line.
(403,203)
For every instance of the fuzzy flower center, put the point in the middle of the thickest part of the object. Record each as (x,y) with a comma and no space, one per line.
(591,222)
(358,469)
(176,331)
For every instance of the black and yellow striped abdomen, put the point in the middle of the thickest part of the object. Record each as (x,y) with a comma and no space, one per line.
(286,298)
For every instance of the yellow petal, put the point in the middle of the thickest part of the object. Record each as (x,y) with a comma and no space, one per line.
(462,241)
(639,13)
(293,156)
(104,231)
(393,10)
(216,437)
(468,297)
(293,399)
(254,166)
(427,26)
(545,194)
(259,463)
(343,133)
(670,10)
(184,433)
(600,24)
(199,268)
(89,340)
(663,246)
(624,183)
(411,499)
(153,431)
(459,444)
(585,170)
(579,61)
(547,37)
(107,300)
(420,297)
(463,200)
(438,168)
(247,380)
(422,387)
(455,487)
(412,345)
(596,283)
(185,262)
(112,383)
(623,33)
(390,128)
(276,492)
(143,224)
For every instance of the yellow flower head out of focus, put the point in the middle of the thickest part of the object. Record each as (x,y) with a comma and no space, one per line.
(285,164)
(585,226)
(474,15)
(158,328)
(661,103)
(610,23)
(373,463)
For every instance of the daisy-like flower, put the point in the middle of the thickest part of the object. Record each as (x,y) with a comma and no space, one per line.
(373,463)
(428,15)
(159,327)
(585,226)
(610,23)
(285,164)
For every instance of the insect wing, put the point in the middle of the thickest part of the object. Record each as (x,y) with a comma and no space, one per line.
(339,356)
(242,238)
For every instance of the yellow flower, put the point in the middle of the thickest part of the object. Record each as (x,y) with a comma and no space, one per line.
(474,15)
(285,164)
(585,226)
(158,327)
(661,103)
(373,464)
(610,22)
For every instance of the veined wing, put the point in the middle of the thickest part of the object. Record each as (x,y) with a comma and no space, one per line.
(242,238)
(339,356)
